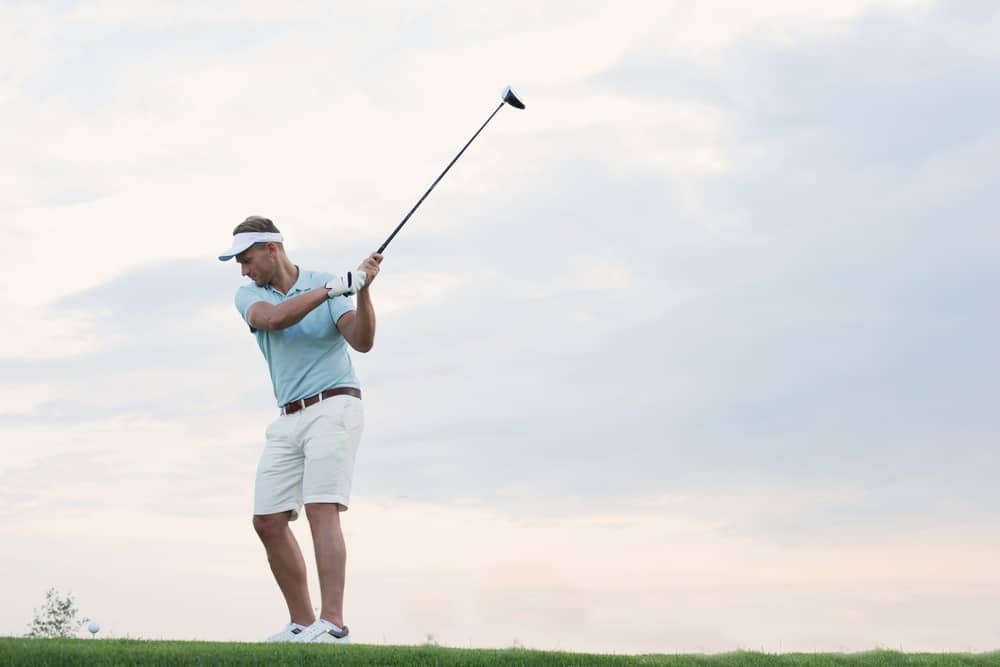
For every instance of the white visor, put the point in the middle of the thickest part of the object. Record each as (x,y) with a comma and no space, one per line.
(244,240)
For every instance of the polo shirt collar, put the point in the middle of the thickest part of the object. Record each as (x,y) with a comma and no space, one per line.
(297,286)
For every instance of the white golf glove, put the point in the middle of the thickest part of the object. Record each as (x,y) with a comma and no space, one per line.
(348,283)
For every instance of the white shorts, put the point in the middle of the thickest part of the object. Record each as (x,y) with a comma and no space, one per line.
(309,457)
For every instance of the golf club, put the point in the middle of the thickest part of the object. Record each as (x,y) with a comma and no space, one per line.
(508,98)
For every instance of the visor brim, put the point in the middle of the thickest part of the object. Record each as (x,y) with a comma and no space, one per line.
(236,249)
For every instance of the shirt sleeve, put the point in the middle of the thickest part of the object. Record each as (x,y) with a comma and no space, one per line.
(340,305)
(244,299)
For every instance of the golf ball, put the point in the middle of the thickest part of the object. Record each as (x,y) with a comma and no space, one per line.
(94,627)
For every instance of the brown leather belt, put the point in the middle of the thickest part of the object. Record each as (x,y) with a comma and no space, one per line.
(295,406)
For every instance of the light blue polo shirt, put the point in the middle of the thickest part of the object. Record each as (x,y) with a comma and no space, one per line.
(307,357)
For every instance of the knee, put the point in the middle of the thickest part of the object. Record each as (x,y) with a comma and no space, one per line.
(323,512)
(270,526)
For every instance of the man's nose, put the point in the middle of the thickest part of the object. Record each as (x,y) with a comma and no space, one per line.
(243,269)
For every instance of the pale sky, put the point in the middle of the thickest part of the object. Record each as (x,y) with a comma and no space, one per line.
(696,353)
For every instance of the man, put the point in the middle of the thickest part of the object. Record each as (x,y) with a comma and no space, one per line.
(304,321)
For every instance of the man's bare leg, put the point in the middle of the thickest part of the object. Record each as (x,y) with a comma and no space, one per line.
(287,564)
(331,558)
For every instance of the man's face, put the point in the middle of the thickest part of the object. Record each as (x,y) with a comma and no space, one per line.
(258,263)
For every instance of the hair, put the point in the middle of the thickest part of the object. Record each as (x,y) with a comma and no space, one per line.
(256,223)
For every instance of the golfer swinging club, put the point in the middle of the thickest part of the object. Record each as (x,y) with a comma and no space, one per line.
(304,321)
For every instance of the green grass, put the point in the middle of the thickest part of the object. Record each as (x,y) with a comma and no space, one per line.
(106,652)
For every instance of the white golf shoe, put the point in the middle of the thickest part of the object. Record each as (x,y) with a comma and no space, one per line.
(323,632)
(288,633)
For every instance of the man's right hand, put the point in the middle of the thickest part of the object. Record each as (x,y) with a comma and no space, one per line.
(370,268)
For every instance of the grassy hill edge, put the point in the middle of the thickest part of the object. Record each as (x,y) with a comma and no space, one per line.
(58,652)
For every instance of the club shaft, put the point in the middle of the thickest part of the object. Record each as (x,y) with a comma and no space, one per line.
(421,200)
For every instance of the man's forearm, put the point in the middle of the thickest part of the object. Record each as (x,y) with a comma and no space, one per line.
(364,322)
(290,312)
